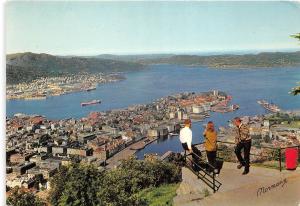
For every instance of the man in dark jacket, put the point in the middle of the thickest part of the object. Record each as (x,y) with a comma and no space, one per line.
(243,141)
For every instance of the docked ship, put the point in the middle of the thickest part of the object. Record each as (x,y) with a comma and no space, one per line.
(90,103)
(224,109)
(269,106)
(36,97)
(262,102)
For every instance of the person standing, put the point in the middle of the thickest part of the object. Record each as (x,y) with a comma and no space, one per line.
(185,135)
(243,141)
(210,144)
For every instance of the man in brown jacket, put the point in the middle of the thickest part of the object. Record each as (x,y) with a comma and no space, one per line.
(243,141)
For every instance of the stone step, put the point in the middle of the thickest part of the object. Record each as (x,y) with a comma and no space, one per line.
(190,183)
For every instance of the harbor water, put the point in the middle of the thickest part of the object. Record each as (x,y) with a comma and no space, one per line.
(246,86)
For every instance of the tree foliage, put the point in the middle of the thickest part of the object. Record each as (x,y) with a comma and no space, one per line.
(296,90)
(81,184)
(76,185)
(19,197)
(297,36)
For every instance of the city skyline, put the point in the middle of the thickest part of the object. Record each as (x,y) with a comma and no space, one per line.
(91,28)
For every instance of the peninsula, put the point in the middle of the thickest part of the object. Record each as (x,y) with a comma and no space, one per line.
(26,67)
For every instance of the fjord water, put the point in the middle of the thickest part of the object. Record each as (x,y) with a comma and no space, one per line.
(245,85)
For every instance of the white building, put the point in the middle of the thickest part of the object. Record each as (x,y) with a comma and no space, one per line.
(172,115)
(215,92)
(198,109)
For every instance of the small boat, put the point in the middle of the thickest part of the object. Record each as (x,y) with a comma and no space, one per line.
(173,134)
(90,103)
(235,107)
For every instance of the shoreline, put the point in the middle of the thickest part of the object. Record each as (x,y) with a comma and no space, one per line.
(130,151)
(27,91)
(127,152)
(234,67)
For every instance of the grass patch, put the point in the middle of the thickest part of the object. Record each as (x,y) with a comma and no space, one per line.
(272,165)
(159,196)
(206,192)
(269,165)
(293,124)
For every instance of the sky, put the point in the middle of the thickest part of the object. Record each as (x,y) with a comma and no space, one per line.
(92,28)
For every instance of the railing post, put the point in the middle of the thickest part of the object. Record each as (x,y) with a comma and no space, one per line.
(279,159)
(214,184)
(298,148)
(217,150)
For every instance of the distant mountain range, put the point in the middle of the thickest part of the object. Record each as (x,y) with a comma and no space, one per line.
(261,60)
(24,67)
(134,58)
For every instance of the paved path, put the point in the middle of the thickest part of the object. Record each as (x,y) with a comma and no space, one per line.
(124,154)
(261,186)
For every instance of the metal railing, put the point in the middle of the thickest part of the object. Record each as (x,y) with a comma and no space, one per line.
(202,169)
(276,154)
(284,148)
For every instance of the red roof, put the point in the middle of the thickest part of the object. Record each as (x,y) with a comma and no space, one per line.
(37,120)
(16,125)
(94,115)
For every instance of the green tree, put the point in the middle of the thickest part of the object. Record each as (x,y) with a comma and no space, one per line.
(19,197)
(121,185)
(77,184)
(296,90)
(297,36)
(57,185)
(118,189)
(81,184)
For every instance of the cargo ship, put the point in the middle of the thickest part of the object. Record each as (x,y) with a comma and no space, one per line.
(90,103)
(90,89)
(269,106)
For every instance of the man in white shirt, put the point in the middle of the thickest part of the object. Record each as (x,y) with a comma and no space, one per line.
(185,135)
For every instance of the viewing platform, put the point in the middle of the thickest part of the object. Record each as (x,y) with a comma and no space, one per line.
(262,186)
(266,184)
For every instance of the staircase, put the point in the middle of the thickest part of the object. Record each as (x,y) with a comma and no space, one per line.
(200,168)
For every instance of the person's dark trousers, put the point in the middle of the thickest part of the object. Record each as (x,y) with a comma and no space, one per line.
(196,155)
(246,145)
(185,146)
(186,149)
(211,157)
(196,158)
